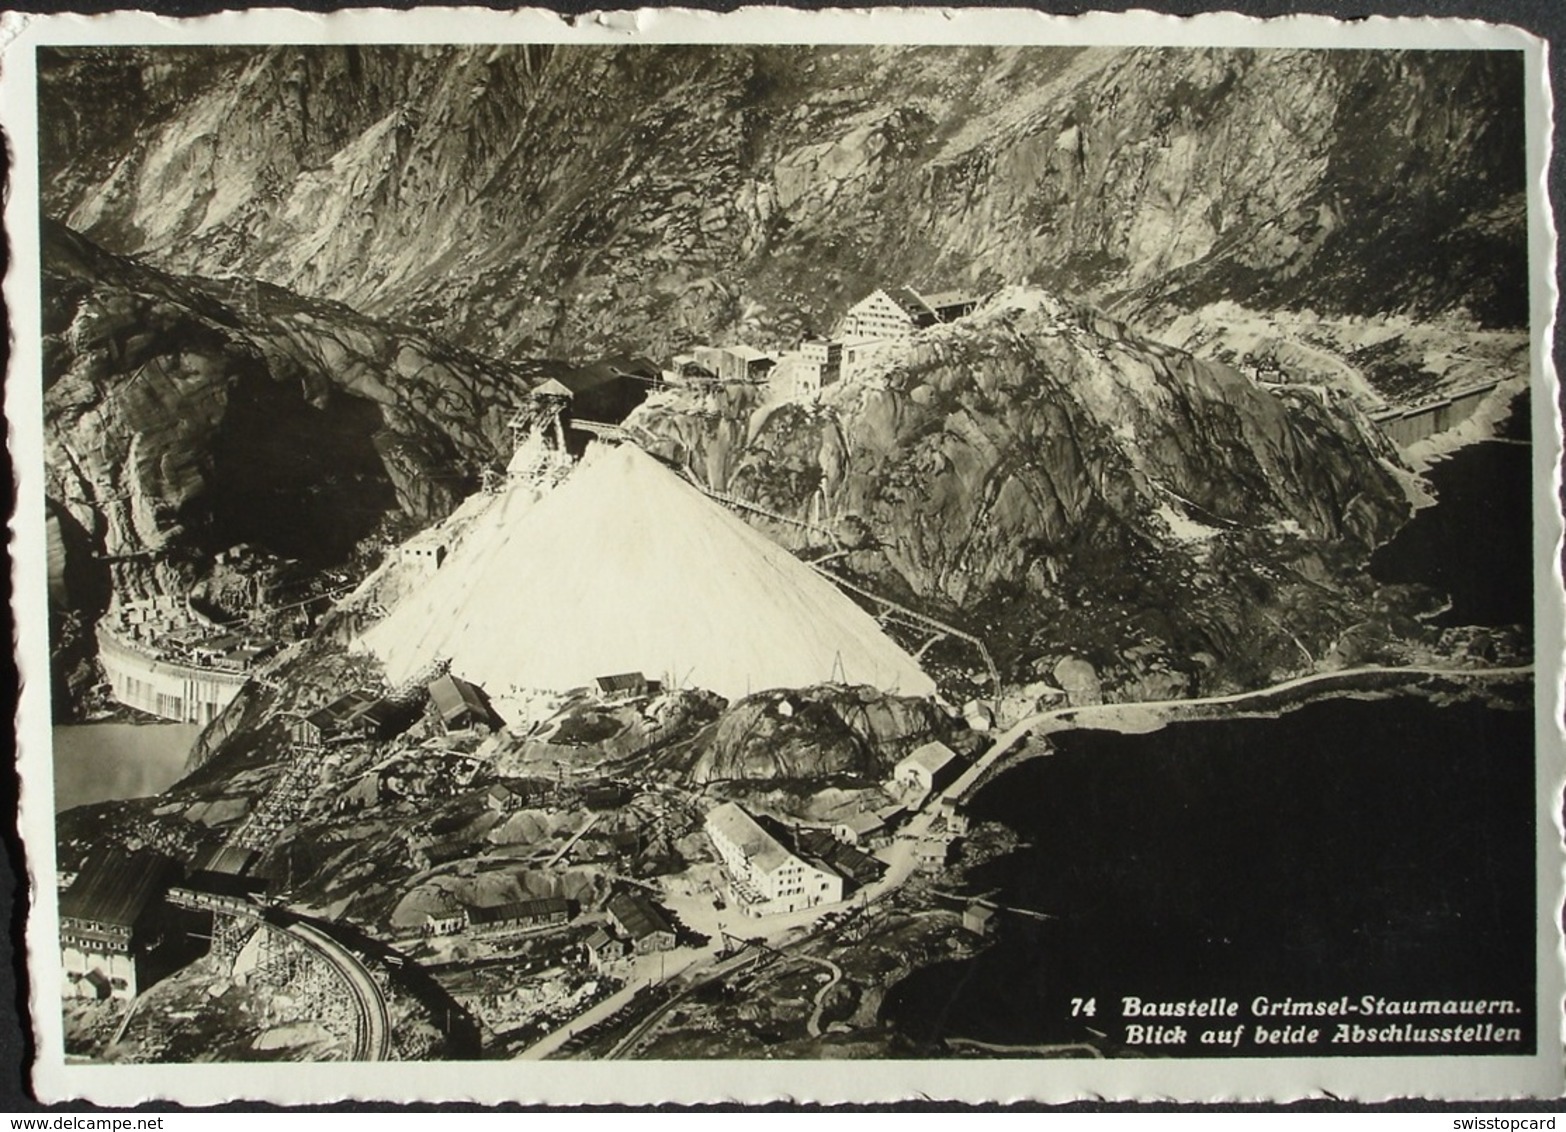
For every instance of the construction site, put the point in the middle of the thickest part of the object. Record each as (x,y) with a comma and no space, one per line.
(524,827)
(594,767)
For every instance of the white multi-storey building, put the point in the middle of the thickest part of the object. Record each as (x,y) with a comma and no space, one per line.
(895,313)
(764,877)
(889,315)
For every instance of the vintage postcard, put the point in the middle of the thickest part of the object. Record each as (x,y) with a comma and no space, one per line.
(834,556)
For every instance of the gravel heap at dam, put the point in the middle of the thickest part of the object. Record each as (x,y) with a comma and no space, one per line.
(625,567)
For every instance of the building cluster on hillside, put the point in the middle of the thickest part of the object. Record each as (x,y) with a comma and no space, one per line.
(883,318)
(635,926)
(923,778)
(870,828)
(354,716)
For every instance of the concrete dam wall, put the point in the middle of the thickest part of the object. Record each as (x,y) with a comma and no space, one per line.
(181,692)
(1405,427)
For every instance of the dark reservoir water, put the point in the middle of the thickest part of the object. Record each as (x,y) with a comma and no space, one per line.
(104,762)
(1476,543)
(1346,848)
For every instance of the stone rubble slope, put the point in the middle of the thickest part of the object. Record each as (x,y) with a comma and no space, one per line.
(625,567)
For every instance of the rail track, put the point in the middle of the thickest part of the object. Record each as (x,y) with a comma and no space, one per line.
(372,1019)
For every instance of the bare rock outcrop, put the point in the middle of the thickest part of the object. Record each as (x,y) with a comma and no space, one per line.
(815,733)
(1040,466)
(185,416)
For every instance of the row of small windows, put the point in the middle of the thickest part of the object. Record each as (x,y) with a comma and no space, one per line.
(85,944)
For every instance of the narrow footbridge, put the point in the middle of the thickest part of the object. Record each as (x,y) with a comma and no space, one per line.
(602,430)
(299,950)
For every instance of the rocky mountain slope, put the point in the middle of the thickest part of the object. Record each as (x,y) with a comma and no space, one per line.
(1043,473)
(558,200)
(184,416)
(1038,473)
(1138,506)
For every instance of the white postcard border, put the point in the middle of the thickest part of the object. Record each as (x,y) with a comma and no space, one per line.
(1367,1079)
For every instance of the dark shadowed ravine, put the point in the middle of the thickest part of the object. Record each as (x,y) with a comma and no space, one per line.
(1477,542)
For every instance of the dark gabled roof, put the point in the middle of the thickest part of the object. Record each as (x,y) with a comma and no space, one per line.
(439,852)
(379,712)
(823,851)
(115,887)
(322,718)
(909,301)
(817,842)
(343,708)
(942,300)
(350,702)
(640,918)
(622,682)
(859,867)
(519,910)
(453,696)
(228,859)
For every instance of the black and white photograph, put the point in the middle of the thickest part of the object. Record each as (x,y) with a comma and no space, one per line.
(958,556)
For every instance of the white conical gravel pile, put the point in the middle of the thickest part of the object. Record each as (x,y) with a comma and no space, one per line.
(626,567)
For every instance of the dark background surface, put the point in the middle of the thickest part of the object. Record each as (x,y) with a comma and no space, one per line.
(1545,18)
(1302,856)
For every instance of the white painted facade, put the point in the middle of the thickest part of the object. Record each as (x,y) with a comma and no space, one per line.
(920,769)
(764,877)
(878,315)
(97,961)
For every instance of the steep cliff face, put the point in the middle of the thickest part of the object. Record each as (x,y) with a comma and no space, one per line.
(556,200)
(185,415)
(1040,464)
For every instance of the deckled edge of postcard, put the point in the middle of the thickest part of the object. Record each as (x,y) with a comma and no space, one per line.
(566,1083)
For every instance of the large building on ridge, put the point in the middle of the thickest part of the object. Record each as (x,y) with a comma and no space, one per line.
(893,314)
